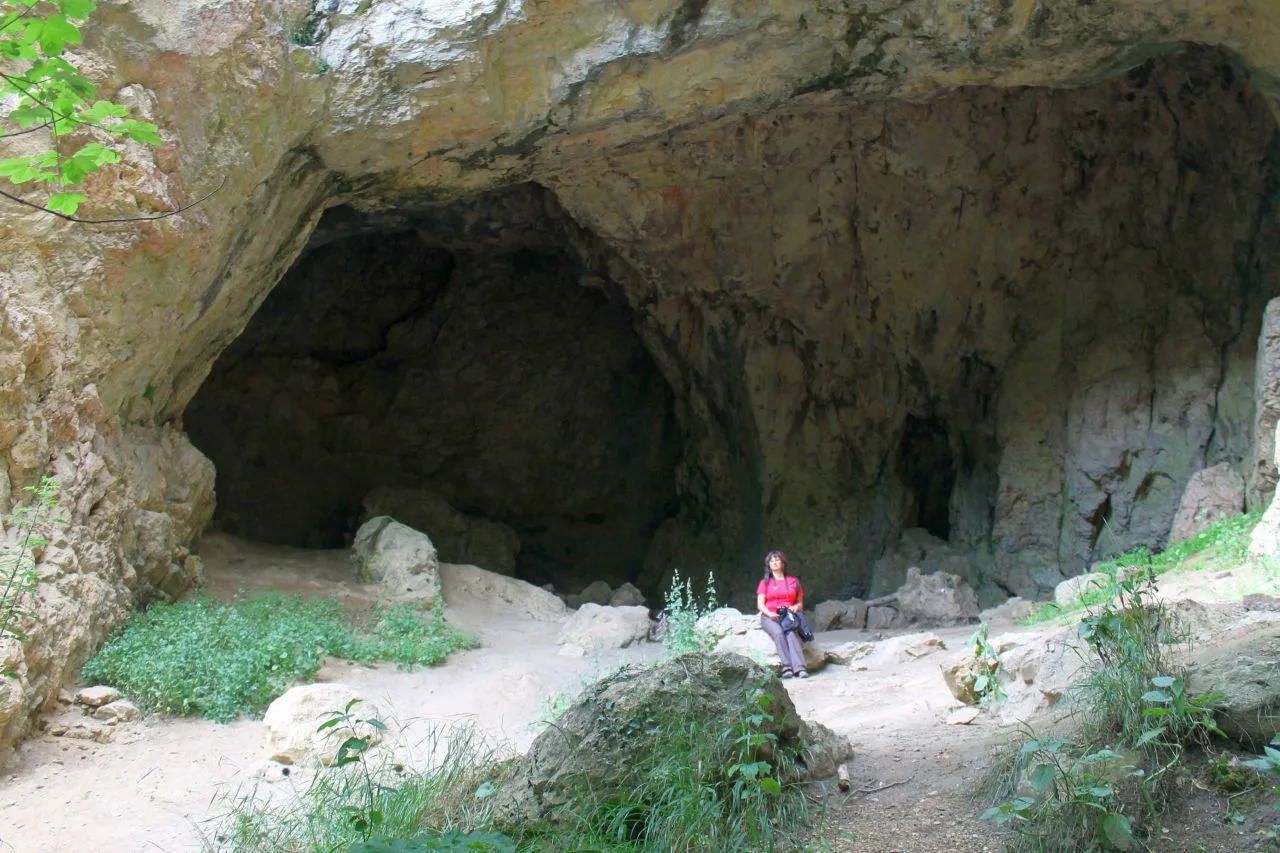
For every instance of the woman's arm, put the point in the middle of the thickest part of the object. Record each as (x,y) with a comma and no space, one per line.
(764,611)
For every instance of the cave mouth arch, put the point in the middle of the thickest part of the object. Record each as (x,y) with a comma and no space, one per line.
(463,370)
(929,474)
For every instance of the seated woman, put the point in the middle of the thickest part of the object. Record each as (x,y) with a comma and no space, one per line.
(778,589)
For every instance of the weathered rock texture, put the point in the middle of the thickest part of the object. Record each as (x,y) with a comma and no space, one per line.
(875,281)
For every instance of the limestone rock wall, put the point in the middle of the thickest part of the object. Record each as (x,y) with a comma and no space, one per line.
(1052,295)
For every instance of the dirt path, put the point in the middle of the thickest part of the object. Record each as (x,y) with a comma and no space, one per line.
(158,783)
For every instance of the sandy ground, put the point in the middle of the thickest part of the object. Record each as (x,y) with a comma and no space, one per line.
(160,783)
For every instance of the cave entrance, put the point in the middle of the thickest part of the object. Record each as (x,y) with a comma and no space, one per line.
(928,472)
(463,371)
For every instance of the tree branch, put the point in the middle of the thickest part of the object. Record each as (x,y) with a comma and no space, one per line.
(82,221)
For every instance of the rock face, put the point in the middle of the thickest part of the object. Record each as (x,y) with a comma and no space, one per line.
(738,287)
(400,560)
(1211,495)
(1244,674)
(596,742)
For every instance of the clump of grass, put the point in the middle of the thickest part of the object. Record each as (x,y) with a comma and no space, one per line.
(1105,785)
(369,802)
(1223,545)
(221,660)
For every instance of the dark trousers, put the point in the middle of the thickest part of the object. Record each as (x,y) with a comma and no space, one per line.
(788,644)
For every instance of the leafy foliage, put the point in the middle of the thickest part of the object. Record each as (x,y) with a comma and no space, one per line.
(1105,787)
(1269,763)
(680,633)
(984,681)
(28,527)
(220,660)
(44,92)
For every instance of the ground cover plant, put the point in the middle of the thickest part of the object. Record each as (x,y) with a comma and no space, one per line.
(1223,545)
(711,784)
(1104,783)
(221,660)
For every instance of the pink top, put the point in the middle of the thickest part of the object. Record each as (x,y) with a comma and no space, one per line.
(780,593)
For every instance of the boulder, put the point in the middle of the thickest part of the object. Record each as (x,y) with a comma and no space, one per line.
(596,592)
(458,537)
(847,653)
(832,615)
(596,626)
(400,560)
(97,696)
(613,727)
(1244,673)
(1070,591)
(754,643)
(471,587)
(291,725)
(626,596)
(938,599)
(118,711)
(1211,495)
(882,617)
(724,621)
(829,615)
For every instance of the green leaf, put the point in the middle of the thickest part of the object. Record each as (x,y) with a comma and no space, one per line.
(1115,828)
(139,131)
(770,786)
(56,33)
(1042,777)
(1148,736)
(1163,681)
(1156,696)
(101,110)
(78,9)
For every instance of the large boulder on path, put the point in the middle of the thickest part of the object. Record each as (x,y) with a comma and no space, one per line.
(1211,495)
(627,595)
(936,599)
(596,626)
(611,732)
(732,632)
(400,560)
(832,615)
(1070,592)
(291,725)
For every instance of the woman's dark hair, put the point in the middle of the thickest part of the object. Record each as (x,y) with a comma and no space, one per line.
(769,557)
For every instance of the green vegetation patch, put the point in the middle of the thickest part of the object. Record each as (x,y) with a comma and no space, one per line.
(221,660)
(1222,546)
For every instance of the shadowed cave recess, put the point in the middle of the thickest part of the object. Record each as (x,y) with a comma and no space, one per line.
(1006,324)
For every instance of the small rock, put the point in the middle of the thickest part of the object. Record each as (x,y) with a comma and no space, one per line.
(963,716)
(626,596)
(1261,602)
(58,729)
(925,645)
(96,697)
(119,711)
(850,652)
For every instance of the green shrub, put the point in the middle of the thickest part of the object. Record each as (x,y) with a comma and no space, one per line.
(703,786)
(369,802)
(1106,786)
(680,631)
(220,660)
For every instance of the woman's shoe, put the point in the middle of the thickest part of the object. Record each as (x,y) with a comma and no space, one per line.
(786,673)
(802,674)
